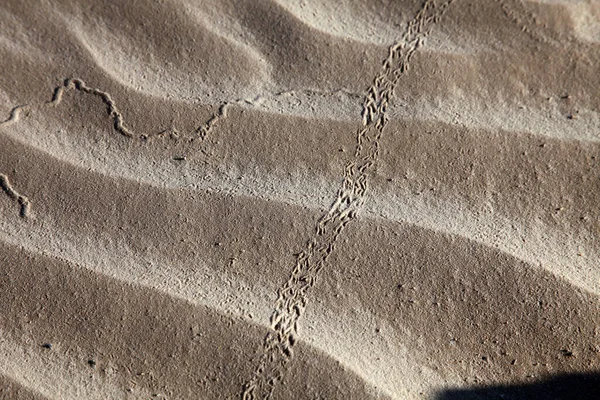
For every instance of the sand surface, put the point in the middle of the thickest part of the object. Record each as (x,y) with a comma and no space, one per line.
(297,199)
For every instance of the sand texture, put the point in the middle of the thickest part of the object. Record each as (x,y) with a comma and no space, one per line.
(299,199)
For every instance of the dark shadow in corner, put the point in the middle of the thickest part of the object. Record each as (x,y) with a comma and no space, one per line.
(559,387)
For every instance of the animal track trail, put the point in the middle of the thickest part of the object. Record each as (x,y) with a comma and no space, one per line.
(203,130)
(113,112)
(525,19)
(292,296)
(111,108)
(23,201)
(80,85)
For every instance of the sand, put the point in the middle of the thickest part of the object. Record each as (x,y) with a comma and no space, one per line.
(299,199)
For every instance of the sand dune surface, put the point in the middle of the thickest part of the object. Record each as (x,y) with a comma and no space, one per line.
(297,199)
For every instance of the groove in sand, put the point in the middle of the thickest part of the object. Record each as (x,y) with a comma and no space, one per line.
(112,110)
(14,195)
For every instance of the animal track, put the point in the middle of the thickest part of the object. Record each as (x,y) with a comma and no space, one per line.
(110,104)
(206,128)
(292,296)
(525,19)
(13,195)
(118,121)
(15,114)
(112,110)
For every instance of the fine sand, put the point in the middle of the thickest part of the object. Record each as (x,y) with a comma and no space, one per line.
(302,199)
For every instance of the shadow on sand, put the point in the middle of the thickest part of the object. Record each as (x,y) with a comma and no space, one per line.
(559,387)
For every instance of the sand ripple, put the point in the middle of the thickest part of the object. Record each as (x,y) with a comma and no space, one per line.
(172,158)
